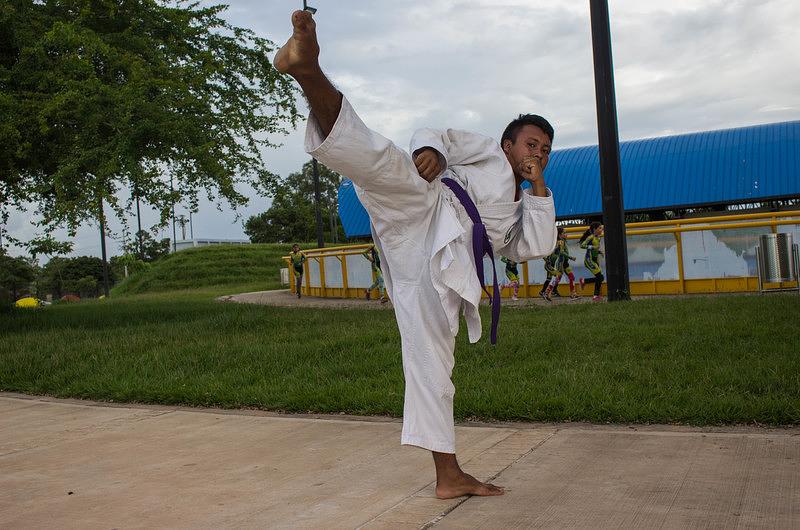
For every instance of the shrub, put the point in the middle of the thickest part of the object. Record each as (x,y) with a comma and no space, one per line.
(6,300)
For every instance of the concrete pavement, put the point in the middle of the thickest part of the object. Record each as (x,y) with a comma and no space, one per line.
(71,464)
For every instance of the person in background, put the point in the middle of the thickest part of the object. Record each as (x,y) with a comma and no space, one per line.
(512,273)
(562,267)
(298,258)
(551,267)
(375,259)
(590,240)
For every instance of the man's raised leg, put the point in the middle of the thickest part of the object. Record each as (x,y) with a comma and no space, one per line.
(299,58)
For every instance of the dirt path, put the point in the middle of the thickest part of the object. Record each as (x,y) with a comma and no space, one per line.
(284,298)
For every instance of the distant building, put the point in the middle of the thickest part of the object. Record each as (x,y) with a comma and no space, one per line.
(744,174)
(726,170)
(191,243)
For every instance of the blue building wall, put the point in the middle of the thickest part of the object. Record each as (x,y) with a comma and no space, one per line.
(746,164)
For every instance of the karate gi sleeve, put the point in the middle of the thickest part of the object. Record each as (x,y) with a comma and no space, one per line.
(372,162)
(460,148)
(535,235)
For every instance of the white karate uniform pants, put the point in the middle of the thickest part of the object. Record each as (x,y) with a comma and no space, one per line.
(402,208)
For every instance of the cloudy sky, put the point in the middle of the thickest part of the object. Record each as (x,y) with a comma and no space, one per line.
(680,66)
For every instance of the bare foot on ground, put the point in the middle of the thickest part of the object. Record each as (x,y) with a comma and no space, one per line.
(300,53)
(465,484)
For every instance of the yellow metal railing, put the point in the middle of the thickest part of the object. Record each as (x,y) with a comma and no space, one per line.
(677,227)
(701,220)
(319,255)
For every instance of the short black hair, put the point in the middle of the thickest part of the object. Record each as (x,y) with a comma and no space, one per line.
(526,119)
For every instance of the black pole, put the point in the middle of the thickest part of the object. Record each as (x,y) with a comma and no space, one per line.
(191,226)
(139,224)
(174,234)
(317,207)
(103,247)
(608,142)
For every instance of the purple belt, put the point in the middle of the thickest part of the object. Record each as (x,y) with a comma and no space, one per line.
(481,245)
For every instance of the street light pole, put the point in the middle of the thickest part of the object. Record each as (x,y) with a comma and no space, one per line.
(608,144)
(308,8)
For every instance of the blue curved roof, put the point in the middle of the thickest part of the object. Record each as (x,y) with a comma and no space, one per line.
(355,219)
(746,164)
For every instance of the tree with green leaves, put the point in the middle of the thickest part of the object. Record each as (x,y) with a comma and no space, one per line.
(62,276)
(164,99)
(47,246)
(127,265)
(292,217)
(146,248)
(16,275)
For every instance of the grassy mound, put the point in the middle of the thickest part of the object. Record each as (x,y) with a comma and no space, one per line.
(258,264)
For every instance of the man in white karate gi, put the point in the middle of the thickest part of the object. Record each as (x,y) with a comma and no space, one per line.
(424,233)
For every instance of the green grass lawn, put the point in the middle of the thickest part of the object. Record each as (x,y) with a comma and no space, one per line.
(700,360)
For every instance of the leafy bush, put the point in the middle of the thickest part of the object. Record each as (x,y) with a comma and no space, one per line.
(60,275)
(86,287)
(6,300)
(16,275)
(127,263)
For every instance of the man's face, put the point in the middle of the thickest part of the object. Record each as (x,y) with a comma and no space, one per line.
(531,141)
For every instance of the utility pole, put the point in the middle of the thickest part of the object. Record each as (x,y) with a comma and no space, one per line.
(191,227)
(608,145)
(174,234)
(334,227)
(317,207)
(102,219)
(183,221)
(320,238)
(139,224)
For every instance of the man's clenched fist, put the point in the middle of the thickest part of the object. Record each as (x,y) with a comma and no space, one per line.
(428,164)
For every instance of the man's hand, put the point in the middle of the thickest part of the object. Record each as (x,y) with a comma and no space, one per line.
(531,170)
(428,163)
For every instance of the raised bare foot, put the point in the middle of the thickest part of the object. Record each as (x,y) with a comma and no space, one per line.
(465,484)
(300,53)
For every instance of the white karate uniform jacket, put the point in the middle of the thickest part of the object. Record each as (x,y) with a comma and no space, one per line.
(425,239)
